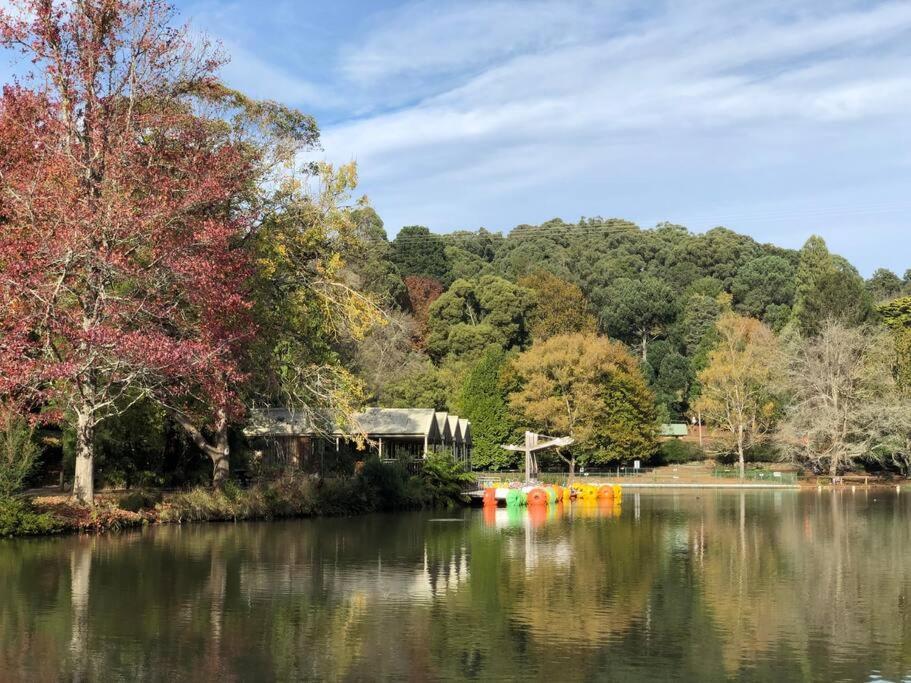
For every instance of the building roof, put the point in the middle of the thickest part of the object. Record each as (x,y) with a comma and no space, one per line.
(465,428)
(673,429)
(454,428)
(398,421)
(413,422)
(278,422)
(443,426)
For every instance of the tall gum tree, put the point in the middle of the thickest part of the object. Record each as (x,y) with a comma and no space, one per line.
(118,199)
(739,383)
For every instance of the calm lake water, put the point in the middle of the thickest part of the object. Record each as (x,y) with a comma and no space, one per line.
(686,586)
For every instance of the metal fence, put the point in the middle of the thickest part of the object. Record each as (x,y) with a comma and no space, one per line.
(756,475)
(493,479)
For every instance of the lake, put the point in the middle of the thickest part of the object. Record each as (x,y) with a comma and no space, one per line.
(696,585)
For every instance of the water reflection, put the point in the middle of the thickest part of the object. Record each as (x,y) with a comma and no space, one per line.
(700,586)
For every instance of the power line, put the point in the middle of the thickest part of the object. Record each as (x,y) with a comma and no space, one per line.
(577,229)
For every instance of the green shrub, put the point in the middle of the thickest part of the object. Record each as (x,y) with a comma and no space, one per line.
(676,452)
(381,486)
(19,518)
(281,498)
(387,483)
(134,501)
(346,496)
(443,481)
(18,452)
(763,452)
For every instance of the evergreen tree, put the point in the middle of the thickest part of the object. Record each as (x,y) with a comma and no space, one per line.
(483,401)
(827,288)
(417,251)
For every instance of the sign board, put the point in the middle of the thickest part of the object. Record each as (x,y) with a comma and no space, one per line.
(636,464)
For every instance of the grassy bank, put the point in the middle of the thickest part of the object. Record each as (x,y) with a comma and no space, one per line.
(378,487)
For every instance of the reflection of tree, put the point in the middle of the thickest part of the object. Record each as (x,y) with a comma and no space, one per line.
(741,571)
(758,586)
(35,611)
(80,576)
(546,616)
(813,585)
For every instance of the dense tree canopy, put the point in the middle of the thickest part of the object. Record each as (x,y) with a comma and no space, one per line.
(638,311)
(417,251)
(590,388)
(560,307)
(483,400)
(827,288)
(764,288)
(474,314)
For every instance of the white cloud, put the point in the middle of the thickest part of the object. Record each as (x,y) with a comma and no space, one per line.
(429,38)
(505,111)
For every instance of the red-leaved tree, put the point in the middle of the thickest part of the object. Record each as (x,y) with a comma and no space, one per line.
(121,202)
(422,292)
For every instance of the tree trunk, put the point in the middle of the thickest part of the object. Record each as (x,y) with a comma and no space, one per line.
(740,450)
(644,345)
(220,471)
(219,455)
(572,472)
(833,466)
(218,452)
(83,479)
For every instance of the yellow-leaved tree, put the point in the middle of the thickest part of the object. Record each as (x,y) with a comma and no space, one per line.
(740,382)
(590,388)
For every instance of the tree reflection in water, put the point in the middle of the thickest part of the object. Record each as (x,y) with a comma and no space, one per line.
(703,586)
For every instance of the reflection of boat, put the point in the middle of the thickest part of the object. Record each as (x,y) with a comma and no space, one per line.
(515,516)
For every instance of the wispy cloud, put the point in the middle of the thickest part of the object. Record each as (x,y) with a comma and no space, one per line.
(552,106)
(770,115)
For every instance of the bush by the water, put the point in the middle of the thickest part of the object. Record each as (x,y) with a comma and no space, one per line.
(443,482)
(379,486)
(284,498)
(19,518)
(134,501)
(675,452)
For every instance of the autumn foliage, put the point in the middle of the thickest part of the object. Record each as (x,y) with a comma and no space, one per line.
(590,388)
(422,292)
(739,384)
(119,203)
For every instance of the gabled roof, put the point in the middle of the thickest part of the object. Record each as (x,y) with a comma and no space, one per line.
(443,426)
(465,427)
(398,421)
(413,422)
(454,428)
(673,429)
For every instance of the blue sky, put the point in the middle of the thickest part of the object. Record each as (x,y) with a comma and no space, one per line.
(778,119)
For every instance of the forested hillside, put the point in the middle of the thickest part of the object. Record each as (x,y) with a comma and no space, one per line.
(660,291)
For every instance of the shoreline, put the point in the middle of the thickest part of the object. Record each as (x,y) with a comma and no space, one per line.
(107,517)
